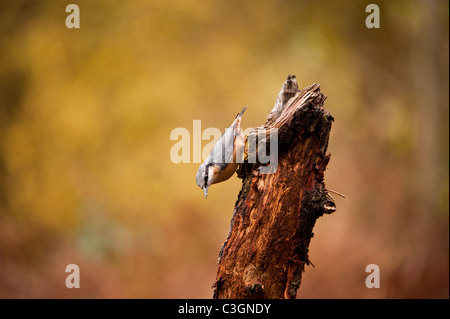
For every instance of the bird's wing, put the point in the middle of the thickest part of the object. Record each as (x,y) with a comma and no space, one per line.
(222,152)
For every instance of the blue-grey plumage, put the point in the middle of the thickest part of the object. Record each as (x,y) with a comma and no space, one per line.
(224,158)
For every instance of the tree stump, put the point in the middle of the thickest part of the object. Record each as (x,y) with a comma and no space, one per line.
(273,219)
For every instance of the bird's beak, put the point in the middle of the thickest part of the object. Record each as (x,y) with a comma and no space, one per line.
(205,190)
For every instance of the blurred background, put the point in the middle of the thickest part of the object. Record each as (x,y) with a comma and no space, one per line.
(86,115)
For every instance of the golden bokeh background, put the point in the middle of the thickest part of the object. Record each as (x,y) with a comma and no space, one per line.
(86,114)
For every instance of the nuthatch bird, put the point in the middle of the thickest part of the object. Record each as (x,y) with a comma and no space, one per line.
(224,158)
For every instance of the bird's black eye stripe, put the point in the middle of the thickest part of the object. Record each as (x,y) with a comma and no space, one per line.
(207,172)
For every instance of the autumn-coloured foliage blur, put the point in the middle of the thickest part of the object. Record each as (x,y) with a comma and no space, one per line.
(86,115)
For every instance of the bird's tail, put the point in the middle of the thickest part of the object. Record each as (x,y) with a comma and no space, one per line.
(237,121)
(242,112)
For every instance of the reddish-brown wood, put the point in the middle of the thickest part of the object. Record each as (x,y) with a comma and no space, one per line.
(273,219)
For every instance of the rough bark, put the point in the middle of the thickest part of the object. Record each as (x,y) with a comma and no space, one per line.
(266,250)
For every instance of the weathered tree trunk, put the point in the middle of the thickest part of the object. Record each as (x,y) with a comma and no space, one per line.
(267,246)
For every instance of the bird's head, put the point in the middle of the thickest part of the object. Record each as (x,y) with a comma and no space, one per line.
(202,178)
